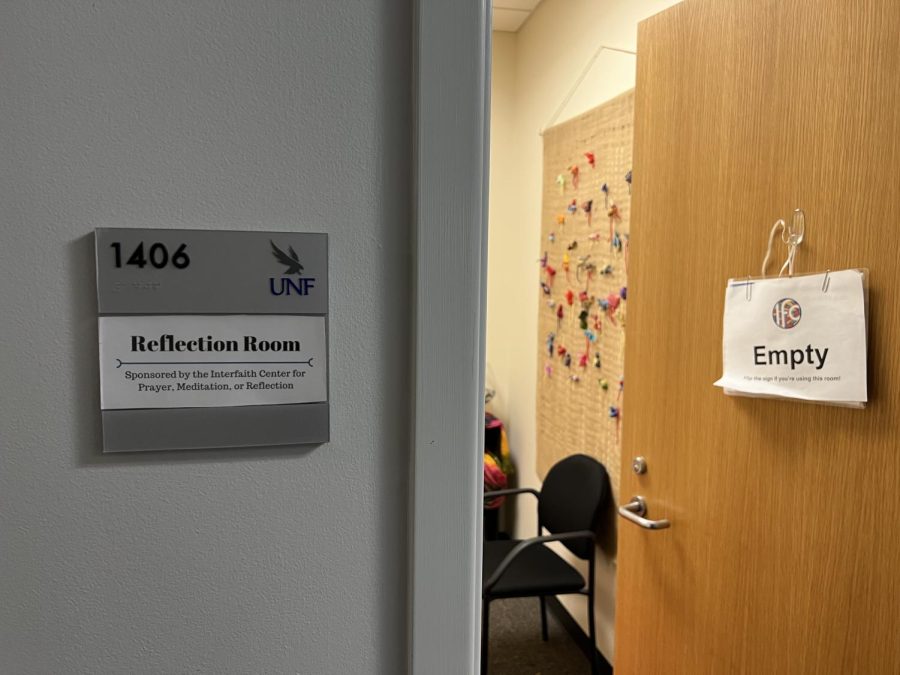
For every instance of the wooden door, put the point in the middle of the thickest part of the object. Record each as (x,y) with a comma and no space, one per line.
(784,550)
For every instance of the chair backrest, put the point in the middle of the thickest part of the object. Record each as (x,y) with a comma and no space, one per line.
(574,492)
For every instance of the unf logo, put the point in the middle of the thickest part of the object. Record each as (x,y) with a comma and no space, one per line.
(285,285)
(786,313)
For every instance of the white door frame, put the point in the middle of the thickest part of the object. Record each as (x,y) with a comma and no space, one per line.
(451,102)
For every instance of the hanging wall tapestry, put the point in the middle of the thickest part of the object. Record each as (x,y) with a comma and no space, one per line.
(582,281)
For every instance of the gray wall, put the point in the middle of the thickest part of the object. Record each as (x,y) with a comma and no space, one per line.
(261,114)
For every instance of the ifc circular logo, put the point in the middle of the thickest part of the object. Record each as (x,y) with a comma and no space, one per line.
(786,313)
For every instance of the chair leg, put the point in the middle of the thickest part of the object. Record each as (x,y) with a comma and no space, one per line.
(485,630)
(595,665)
(544,635)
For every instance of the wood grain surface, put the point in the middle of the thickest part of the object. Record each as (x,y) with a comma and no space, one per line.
(783,555)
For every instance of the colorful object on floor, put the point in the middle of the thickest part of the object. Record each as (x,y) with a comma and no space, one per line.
(591,159)
(628,180)
(574,171)
(572,208)
(588,207)
(561,182)
(605,190)
(498,466)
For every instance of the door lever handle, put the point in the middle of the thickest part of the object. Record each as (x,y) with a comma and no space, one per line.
(636,509)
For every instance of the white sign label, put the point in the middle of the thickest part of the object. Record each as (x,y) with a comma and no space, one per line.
(211,361)
(796,337)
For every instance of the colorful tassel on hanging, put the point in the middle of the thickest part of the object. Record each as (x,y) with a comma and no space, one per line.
(591,159)
(545,288)
(574,171)
(615,414)
(548,370)
(573,245)
(551,237)
(607,270)
(604,385)
(594,237)
(623,292)
(597,363)
(588,207)
(543,260)
(572,208)
(550,271)
(561,182)
(559,317)
(582,319)
(605,190)
(551,337)
(621,387)
(570,297)
(560,219)
(560,351)
(565,264)
(567,360)
(616,244)
(614,218)
(583,361)
(628,180)
(575,379)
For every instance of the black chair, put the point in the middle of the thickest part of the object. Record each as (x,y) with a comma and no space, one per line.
(570,505)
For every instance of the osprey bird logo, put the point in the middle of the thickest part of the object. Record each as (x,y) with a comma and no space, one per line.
(292,261)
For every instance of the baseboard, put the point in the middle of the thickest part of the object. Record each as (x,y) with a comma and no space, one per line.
(574,630)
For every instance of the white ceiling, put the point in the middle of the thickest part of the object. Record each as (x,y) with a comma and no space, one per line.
(509,15)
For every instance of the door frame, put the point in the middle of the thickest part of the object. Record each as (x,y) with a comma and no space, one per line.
(451,99)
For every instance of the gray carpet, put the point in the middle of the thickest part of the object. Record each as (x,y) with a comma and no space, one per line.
(516,647)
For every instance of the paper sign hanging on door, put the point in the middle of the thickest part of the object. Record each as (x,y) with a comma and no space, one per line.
(796,337)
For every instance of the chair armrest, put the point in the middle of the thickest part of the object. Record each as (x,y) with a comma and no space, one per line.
(525,543)
(511,491)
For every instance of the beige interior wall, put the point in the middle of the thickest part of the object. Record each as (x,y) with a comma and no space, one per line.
(533,70)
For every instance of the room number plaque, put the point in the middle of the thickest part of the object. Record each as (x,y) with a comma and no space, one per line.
(212,338)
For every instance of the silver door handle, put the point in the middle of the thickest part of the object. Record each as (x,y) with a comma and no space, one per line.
(636,509)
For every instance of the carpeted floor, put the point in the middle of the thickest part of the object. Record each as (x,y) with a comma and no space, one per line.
(516,647)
